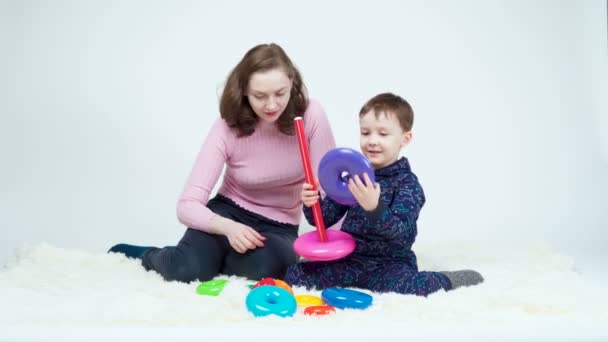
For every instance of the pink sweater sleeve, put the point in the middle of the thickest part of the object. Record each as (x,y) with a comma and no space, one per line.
(192,208)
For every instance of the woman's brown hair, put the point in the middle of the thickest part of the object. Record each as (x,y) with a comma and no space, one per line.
(234,106)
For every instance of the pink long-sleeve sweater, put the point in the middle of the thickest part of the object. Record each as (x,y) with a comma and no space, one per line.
(264,172)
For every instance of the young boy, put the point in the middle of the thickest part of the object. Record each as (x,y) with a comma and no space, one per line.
(383,222)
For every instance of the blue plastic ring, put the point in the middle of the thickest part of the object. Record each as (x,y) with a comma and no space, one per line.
(346,299)
(270,300)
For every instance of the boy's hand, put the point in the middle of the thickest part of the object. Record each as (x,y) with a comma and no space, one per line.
(309,196)
(367,194)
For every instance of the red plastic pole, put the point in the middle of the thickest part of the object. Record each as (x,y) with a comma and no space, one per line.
(310,178)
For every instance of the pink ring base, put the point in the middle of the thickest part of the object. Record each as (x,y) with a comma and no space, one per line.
(339,244)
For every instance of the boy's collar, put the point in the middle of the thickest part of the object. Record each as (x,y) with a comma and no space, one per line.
(401,165)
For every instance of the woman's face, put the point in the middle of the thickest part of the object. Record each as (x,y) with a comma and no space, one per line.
(268,93)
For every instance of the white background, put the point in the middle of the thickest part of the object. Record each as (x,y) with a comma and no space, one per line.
(104,105)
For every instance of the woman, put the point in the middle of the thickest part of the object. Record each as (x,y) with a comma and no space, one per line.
(249,227)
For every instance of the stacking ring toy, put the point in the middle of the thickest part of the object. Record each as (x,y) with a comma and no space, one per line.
(270,300)
(338,245)
(321,245)
(346,299)
(337,167)
(319,310)
(273,282)
(308,174)
(308,300)
(265,282)
(280,283)
(211,287)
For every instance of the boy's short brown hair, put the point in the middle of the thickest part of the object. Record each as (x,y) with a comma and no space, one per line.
(390,103)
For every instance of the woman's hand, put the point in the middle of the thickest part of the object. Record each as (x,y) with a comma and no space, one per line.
(241,237)
(309,196)
(368,194)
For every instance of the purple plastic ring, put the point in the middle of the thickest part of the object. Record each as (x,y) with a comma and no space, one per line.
(337,167)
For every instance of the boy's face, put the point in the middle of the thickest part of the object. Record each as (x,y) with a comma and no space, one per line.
(382,138)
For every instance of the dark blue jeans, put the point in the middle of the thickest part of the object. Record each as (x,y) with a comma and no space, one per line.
(202,256)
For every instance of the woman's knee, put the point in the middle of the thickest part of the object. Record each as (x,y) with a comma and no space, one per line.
(265,271)
(260,270)
(179,266)
(257,264)
(188,272)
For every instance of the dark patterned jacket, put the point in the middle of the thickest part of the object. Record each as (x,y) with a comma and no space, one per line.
(390,229)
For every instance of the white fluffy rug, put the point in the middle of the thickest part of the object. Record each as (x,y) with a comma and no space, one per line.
(530,292)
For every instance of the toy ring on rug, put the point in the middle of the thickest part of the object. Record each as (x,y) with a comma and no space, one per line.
(270,300)
(337,167)
(273,282)
(211,287)
(346,299)
(318,310)
(338,245)
(308,300)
